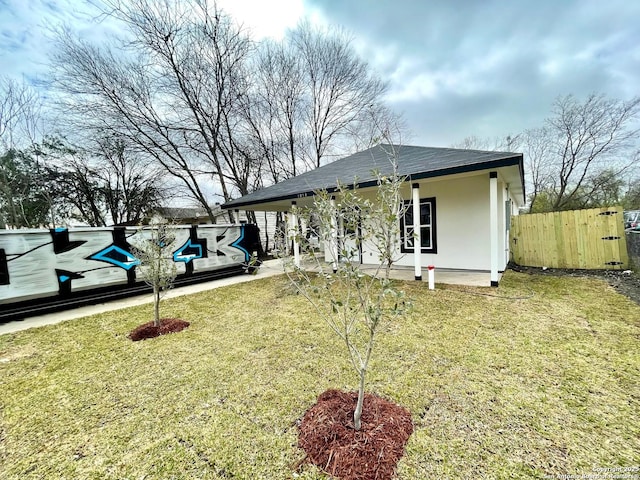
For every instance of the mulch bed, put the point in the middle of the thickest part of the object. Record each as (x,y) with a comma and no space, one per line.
(148,330)
(328,437)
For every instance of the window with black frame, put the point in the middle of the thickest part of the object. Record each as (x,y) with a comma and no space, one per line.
(427,224)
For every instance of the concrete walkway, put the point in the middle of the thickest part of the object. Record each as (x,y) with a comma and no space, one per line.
(268,269)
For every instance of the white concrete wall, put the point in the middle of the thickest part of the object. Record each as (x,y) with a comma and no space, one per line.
(503,245)
(462,224)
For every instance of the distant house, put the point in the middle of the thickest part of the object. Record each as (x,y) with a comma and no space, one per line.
(266,221)
(184,215)
(466,200)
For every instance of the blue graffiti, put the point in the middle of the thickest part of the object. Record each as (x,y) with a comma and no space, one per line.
(236,244)
(188,252)
(116,256)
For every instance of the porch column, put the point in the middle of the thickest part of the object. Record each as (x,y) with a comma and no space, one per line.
(417,239)
(293,234)
(237,214)
(333,247)
(493,226)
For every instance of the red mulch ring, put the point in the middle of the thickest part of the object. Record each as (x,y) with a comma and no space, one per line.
(148,330)
(372,453)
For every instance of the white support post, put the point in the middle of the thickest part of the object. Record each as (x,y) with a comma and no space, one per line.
(333,247)
(493,226)
(237,214)
(417,239)
(293,235)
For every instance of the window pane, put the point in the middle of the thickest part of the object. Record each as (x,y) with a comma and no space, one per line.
(408,216)
(425,237)
(408,237)
(426,225)
(425,214)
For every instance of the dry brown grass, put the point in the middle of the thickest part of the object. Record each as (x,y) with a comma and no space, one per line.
(498,387)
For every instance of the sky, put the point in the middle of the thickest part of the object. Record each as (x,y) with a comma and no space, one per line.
(456,68)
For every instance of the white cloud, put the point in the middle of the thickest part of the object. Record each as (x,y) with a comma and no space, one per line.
(264,18)
(450,67)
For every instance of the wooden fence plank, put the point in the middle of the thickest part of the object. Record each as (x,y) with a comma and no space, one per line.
(584,239)
(622,251)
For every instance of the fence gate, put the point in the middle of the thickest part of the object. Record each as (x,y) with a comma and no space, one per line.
(585,239)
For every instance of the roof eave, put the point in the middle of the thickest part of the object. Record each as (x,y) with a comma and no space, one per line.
(516,160)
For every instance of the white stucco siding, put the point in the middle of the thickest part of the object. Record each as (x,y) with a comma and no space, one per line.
(462,224)
(503,245)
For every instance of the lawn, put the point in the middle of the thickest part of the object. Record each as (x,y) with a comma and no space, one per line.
(535,379)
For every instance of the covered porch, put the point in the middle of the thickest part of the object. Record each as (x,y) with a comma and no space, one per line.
(458,205)
(448,276)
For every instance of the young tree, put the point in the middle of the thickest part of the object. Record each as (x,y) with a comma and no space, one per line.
(353,304)
(155,249)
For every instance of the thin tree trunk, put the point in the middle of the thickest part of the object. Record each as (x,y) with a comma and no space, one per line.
(266,233)
(363,373)
(156,307)
(358,412)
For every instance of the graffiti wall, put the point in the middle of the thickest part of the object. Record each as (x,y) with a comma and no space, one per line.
(43,263)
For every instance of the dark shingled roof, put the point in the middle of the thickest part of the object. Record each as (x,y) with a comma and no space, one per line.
(413,162)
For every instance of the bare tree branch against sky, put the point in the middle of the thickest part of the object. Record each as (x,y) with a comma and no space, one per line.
(455,69)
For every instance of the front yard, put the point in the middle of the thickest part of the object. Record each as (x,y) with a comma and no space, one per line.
(535,379)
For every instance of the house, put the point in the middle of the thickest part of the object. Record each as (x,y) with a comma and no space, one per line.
(184,215)
(466,199)
(266,221)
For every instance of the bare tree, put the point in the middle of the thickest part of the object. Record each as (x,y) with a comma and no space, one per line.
(580,141)
(102,184)
(273,110)
(536,148)
(173,91)
(310,97)
(495,144)
(191,91)
(131,186)
(19,113)
(74,182)
(342,89)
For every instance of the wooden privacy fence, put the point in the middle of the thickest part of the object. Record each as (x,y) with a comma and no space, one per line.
(585,239)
